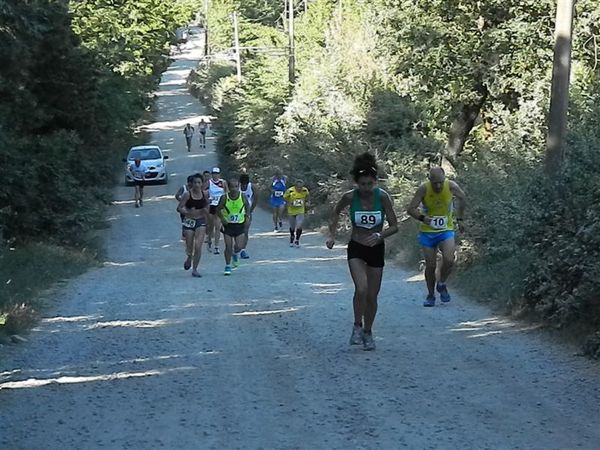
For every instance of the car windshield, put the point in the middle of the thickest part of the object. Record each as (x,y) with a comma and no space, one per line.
(144,154)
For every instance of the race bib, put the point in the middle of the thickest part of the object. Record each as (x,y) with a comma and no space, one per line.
(439,222)
(298,203)
(234,218)
(214,201)
(278,193)
(189,223)
(368,219)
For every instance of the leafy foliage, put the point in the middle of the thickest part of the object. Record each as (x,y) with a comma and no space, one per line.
(417,82)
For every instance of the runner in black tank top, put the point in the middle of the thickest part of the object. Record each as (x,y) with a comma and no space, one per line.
(194,206)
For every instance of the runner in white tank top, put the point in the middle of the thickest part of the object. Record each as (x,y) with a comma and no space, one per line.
(248,189)
(217,187)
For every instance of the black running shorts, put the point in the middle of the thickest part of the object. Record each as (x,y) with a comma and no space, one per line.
(234,229)
(373,256)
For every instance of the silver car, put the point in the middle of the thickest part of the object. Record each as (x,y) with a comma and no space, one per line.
(154,160)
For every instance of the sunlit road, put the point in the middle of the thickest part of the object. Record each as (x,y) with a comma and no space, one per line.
(138,354)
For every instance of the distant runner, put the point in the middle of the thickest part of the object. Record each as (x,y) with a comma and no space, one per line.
(232,211)
(297,198)
(138,171)
(202,128)
(251,194)
(188,132)
(217,187)
(194,206)
(433,206)
(370,206)
(278,188)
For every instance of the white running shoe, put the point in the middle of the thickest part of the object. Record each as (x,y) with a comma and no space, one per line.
(292,244)
(297,244)
(369,342)
(358,336)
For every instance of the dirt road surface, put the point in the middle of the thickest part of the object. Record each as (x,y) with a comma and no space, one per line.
(138,354)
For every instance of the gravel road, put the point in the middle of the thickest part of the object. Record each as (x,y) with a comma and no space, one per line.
(137,354)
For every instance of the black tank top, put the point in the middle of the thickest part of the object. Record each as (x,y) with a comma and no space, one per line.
(192,203)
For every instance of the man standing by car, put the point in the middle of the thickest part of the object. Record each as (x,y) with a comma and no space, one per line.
(188,132)
(138,172)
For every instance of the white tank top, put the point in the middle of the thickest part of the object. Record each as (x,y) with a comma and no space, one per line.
(216,191)
(249,193)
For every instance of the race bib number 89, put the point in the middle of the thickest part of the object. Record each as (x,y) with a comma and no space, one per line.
(439,222)
(368,219)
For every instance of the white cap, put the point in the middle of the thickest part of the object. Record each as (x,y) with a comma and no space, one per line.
(216,170)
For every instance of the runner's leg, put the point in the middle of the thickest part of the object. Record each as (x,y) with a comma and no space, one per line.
(448,248)
(292,229)
(217,231)
(299,222)
(430,265)
(374,277)
(228,249)
(358,271)
(189,247)
(198,241)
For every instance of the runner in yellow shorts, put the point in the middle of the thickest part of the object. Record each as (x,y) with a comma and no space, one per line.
(297,201)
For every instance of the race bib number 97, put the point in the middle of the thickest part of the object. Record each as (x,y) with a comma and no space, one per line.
(368,219)
(439,222)
(234,218)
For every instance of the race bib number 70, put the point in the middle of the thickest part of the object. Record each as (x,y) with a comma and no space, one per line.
(368,219)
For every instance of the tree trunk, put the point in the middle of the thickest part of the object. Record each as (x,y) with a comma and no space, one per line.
(462,125)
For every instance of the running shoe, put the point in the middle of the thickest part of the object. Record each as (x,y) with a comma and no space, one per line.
(297,244)
(137,205)
(291,244)
(217,252)
(276,230)
(141,202)
(358,336)
(188,263)
(227,271)
(236,261)
(444,295)
(368,342)
(429,301)
(244,255)
(196,274)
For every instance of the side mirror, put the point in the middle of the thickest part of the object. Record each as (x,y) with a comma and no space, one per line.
(166,156)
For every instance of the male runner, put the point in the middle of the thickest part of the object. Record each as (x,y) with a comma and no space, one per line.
(217,188)
(433,206)
(232,212)
(138,172)
(297,199)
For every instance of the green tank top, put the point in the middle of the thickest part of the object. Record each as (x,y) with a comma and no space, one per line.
(235,210)
(367,219)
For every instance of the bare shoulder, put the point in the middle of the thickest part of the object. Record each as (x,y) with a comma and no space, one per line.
(454,186)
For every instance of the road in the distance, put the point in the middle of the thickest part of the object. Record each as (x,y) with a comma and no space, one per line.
(140,355)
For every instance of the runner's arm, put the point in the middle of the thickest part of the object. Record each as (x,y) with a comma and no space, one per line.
(181,208)
(413,207)
(179,193)
(254,199)
(388,206)
(344,202)
(220,207)
(247,204)
(461,198)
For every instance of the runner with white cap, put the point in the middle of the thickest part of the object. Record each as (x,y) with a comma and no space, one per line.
(217,187)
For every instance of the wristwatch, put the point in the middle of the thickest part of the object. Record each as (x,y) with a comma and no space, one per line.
(379,236)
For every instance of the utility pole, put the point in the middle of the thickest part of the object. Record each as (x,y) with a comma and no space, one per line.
(559,98)
(238,58)
(206,48)
(292,47)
